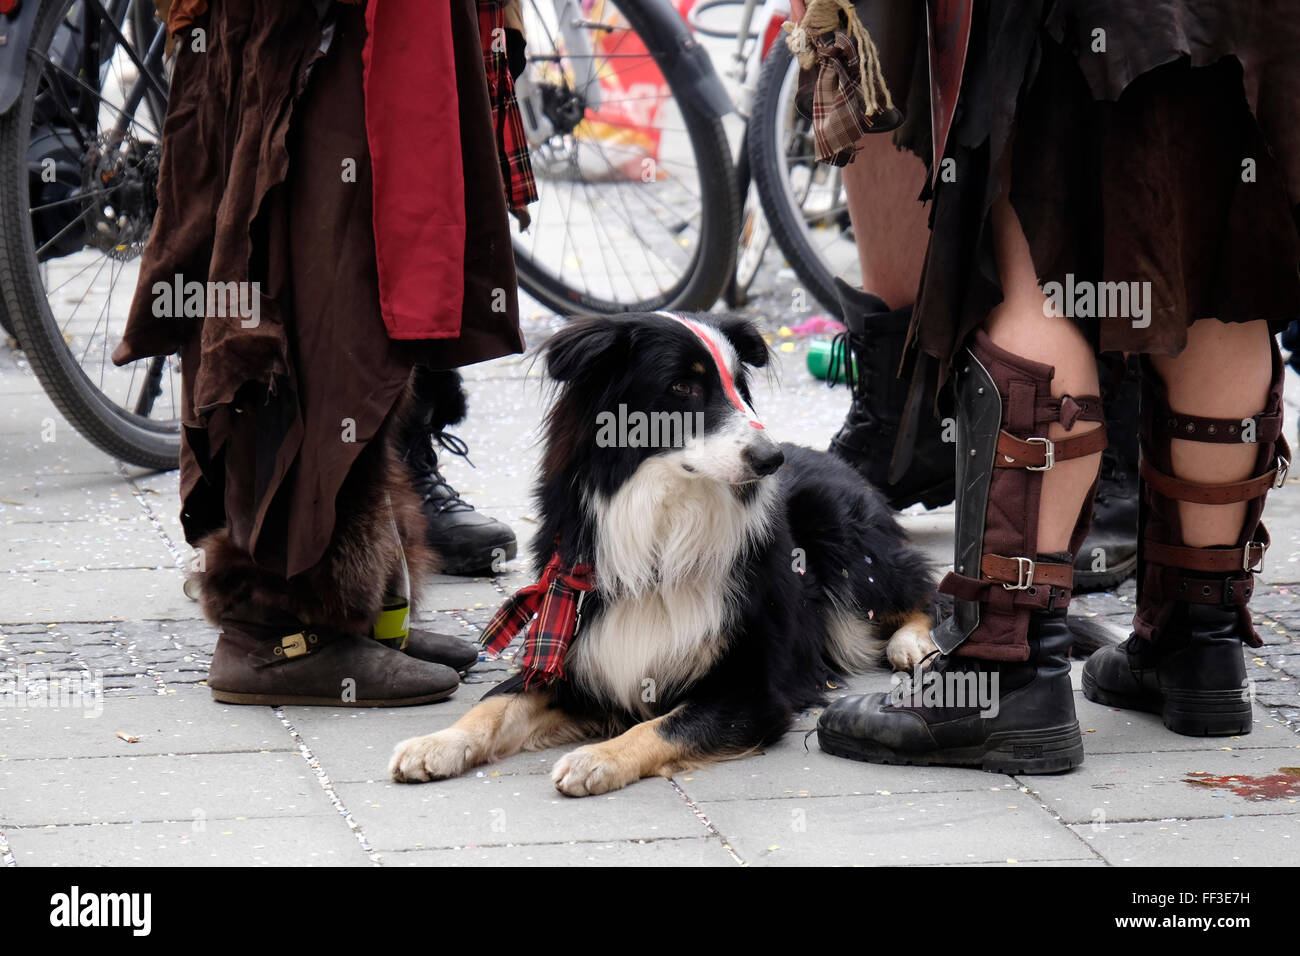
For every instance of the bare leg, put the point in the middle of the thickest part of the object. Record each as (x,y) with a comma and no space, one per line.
(1020,324)
(891,227)
(1224,372)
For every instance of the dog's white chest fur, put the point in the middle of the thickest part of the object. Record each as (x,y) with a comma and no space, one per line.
(667,566)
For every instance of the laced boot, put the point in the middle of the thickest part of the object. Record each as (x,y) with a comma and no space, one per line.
(876,337)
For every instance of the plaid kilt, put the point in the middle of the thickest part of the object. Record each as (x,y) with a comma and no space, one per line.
(512,144)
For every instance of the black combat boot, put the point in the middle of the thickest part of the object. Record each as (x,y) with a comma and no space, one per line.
(1108,557)
(1007,643)
(465,541)
(1000,716)
(875,336)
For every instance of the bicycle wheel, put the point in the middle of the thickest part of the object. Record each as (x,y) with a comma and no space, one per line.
(637,206)
(79,163)
(804,200)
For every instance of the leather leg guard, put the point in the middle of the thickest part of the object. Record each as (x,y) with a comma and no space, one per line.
(1184,660)
(1005,406)
(1171,573)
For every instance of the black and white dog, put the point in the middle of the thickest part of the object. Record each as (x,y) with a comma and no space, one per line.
(733,577)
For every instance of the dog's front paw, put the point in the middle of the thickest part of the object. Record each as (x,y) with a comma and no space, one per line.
(448,753)
(909,646)
(589,770)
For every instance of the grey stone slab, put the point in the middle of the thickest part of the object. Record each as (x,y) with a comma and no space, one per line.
(102,595)
(787,771)
(1109,730)
(182,723)
(173,787)
(686,851)
(444,592)
(876,830)
(27,453)
(284,841)
(84,545)
(355,743)
(1253,841)
(1156,786)
(67,497)
(512,808)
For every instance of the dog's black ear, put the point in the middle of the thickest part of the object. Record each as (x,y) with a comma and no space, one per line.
(583,344)
(745,339)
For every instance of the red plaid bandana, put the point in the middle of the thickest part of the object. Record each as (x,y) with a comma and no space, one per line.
(512,144)
(555,600)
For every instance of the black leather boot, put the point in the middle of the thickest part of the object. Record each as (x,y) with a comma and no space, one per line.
(466,541)
(866,441)
(1021,719)
(1108,556)
(1195,678)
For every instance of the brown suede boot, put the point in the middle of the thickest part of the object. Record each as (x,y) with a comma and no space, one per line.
(257,663)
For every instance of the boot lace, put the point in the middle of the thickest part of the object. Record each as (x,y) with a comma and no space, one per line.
(440,494)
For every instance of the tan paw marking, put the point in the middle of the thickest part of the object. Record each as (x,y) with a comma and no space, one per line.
(908,647)
(448,753)
(589,770)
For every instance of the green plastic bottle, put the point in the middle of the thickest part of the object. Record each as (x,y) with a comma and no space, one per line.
(822,353)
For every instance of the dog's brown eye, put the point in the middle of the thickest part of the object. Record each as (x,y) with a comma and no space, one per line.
(684,388)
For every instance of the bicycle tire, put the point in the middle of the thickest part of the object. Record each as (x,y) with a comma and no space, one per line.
(713,263)
(700,25)
(767,166)
(130,438)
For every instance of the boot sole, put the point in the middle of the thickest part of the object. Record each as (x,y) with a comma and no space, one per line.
(278,700)
(1191,713)
(1054,750)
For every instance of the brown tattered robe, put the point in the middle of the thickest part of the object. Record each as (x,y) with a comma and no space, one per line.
(257,133)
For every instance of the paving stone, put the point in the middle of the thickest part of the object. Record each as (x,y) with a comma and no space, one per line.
(172,787)
(283,841)
(685,851)
(900,829)
(1256,841)
(105,595)
(183,723)
(1109,730)
(513,808)
(1155,786)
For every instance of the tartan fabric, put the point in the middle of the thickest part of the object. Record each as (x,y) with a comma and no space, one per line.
(512,144)
(553,600)
(839,116)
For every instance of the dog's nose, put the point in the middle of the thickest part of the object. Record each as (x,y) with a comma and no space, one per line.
(764,459)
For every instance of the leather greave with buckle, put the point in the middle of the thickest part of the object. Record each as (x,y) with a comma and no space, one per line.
(1004,408)
(1169,572)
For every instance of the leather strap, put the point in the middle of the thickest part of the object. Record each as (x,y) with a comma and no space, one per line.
(1221,431)
(1041,454)
(1203,494)
(1025,572)
(1216,560)
(986,591)
(1230,591)
(285,649)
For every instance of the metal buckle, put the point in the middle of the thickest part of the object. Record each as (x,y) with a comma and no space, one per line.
(1049,452)
(1024,575)
(1283,466)
(1246,563)
(295,645)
